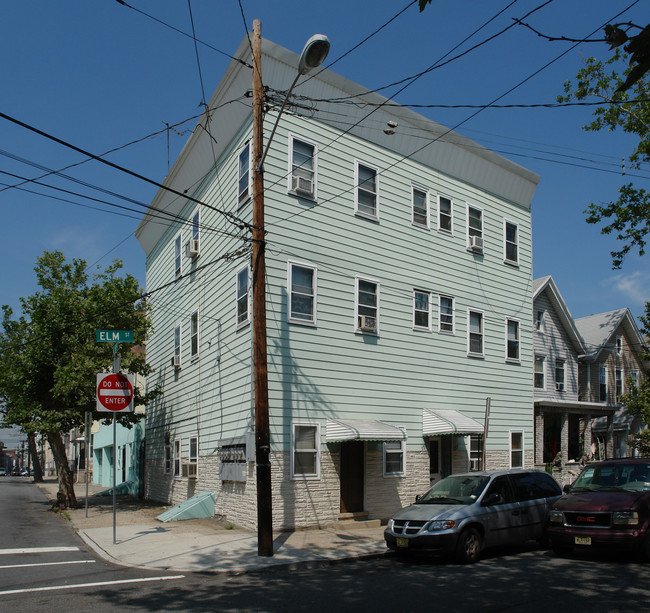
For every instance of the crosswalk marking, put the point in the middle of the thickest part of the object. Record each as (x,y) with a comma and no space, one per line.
(48,564)
(4,552)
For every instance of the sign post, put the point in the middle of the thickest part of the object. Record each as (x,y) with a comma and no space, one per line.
(114,394)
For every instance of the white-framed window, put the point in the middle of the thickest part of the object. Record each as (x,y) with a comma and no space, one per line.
(539,320)
(445,214)
(243,296)
(303,168)
(194,335)
(633,379)
(510,242)
(618,383)
(421,310)
(193,455)
(446,319)
(177,458)
(177,346)
(302,283)
(177,257)
(367,305)
(366,193)
(476,452)
(394,458)
(619,345)
(420,206)
(516,449)
(305,450)
(168,458)
(540,361)
(475,335)
(602,383)
(512,340)
(474,229)
(194,244)
(560,375)
(243,174)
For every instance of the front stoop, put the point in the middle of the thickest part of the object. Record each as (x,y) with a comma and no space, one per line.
(357,520)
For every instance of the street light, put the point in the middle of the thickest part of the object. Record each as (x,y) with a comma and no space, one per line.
(313,54)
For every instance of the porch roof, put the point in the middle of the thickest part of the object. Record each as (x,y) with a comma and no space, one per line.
(341,430)
(448,421)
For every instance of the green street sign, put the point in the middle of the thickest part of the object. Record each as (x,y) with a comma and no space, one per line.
(114,336)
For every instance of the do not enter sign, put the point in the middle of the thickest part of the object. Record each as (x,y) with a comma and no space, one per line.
(114,393)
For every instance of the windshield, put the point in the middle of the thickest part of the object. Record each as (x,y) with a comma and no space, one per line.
(631,477)
(461,489)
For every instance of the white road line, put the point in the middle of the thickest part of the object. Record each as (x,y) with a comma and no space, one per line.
(85,585)
(4,552)
(48,564)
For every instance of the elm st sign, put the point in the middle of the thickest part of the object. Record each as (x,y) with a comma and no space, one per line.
(114,336)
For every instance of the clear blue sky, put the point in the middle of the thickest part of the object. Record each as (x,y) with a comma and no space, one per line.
(100,75)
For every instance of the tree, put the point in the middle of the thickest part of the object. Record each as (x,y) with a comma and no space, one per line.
(49,358)
(637,400)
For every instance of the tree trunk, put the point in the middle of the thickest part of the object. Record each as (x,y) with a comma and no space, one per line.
(37,469)
(66,496)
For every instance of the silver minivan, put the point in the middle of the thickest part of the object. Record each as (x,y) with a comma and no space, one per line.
(464,513)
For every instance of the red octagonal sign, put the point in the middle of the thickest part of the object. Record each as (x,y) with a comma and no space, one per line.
(114,392)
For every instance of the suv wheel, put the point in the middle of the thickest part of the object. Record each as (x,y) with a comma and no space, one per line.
(469,546)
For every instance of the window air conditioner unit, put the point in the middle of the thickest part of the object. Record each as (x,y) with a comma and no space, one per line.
(300,185)
(367,323)
(176,361)
(559,387)
(192,248)
(476,244)
(189,470)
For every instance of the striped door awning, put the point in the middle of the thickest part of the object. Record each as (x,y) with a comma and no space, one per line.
(448,421)
(341,430)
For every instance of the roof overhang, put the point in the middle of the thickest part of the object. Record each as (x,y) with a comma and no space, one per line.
(448,421)
(342,430)
(595,408)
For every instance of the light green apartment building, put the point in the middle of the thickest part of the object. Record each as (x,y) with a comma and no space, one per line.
(399,304)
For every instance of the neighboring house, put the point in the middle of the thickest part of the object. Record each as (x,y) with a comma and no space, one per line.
(612,362)
(399,268)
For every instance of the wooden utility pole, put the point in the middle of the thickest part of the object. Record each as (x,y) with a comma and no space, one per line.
(260,365)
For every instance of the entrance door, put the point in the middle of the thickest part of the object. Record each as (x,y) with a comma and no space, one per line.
(434,460)
(352,455)
(446,448)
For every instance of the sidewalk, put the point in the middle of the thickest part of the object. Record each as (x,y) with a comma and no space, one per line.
(205,545)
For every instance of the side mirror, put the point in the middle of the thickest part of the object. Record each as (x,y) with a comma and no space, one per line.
(417,498)
(566,489)
(491,499)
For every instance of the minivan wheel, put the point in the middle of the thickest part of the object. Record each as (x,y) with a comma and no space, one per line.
(469,546)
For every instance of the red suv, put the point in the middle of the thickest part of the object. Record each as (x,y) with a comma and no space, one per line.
(608,506)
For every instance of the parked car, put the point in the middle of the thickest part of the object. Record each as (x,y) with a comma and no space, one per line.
(3,472)
(608,506)
(463,514)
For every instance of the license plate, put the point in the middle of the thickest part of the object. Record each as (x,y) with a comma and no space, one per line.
(402,542)
(583,540)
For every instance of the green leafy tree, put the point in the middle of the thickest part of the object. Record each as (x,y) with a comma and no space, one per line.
(637,400)
(49,358)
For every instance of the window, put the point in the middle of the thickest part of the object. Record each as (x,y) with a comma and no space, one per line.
(475,336)
(633,379)
(474,229)
(539,321)
(445,214)
(193,456)
(177,257)
(619,345)
(618,382)
(512,340)
(393,458)
(476,452)
(516,449)
(177,458)
(193,247)
(420,207)
(511,242)
(559,376)
(243,189)
(367,307)
(177,345)
(168,459)
(366,191)
(242,296)
(305,445)
(302,302)
(602,384)
(446,314)
(194,335)
(539,371)
(302,174)
(421,310)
